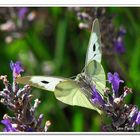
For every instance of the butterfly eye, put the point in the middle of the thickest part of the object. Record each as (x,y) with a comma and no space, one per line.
(94,47)
(44,82)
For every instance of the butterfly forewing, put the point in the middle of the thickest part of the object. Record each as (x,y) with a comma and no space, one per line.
(42,82)
(94,46)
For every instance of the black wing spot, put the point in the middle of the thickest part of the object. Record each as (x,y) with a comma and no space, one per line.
(94,47)
(44,82)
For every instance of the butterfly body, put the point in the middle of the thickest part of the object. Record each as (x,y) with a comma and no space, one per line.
(85,82)
(78,91)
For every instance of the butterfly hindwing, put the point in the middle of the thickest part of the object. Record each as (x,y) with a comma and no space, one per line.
(69,92)
(42,82)
(96,72)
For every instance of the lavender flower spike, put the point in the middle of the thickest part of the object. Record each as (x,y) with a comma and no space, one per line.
(21,13)
(16,68)
(19,101)
(8,126)
(96,98)
(114,79)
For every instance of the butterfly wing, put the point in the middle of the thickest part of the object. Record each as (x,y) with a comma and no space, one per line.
(42,82)
(93,67)
(96,72)
(94,46)
(69,92)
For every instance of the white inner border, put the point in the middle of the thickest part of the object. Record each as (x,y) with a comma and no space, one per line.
(70,3)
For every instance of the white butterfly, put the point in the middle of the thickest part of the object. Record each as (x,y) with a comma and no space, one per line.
(77,91)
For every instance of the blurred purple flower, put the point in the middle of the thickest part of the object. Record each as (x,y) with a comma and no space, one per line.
(21,12)
(119,43)
(133,114)
(30,130)
(114,79)
(16,68)
(96,97)
(122,31)
(8,126)
(138,118)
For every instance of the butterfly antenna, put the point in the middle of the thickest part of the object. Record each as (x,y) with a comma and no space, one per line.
(84,68)
(73,77)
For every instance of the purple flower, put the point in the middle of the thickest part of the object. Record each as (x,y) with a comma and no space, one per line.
(16,68)
(138,118)
(119,43)
(21,12)
(135,115)
(96,97)
(122,31)
(114,79)
(30,130)
(8,126)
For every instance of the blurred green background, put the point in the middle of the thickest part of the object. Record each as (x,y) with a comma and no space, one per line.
(48,41)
